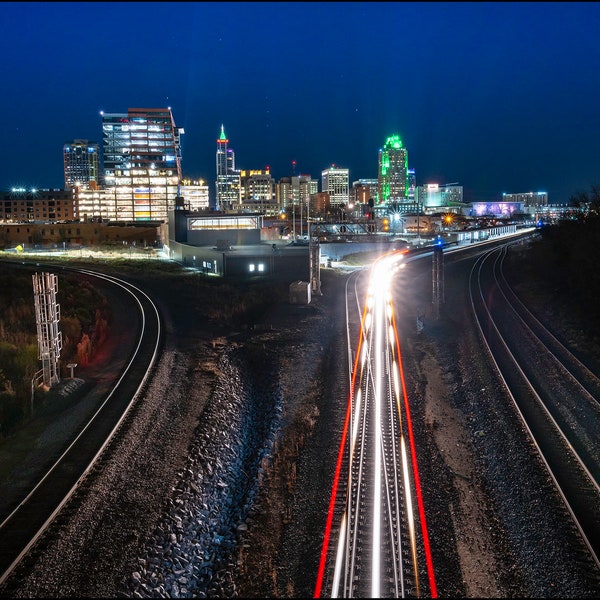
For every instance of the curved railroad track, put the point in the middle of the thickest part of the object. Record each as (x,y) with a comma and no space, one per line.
(32,518)
(554,393)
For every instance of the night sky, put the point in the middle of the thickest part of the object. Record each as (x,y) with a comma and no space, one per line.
(499,97)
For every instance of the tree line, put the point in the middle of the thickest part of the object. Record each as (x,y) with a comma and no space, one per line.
(566,257)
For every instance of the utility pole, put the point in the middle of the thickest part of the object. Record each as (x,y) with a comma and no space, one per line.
(293,216)
(438,280)
(313,257)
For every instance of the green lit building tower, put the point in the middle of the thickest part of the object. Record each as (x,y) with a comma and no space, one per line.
(392,174)
(81,161)
(142,163)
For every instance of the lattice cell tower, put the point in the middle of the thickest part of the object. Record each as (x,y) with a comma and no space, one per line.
(47,316)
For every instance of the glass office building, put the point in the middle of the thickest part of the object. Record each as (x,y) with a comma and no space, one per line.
(82,165)
(142,163)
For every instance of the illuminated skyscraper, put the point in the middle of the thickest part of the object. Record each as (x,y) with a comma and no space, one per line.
(82,165)
(142,162)
(363,190)
(336,182)
(412,184)
(221,160)
(228,183)
(293,192)
(392,177)
(258,190)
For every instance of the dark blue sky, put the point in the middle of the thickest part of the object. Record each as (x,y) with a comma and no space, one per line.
(500,97)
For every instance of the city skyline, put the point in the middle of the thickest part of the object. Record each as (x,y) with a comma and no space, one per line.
(500,97)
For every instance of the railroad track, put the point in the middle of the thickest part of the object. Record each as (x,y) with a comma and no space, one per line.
(554,393)
(56,492)
(376,541)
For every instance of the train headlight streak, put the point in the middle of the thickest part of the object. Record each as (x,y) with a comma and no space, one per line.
(379,349)
(339,558)
(382,476)
(356,422)
(409,509)
(396,386)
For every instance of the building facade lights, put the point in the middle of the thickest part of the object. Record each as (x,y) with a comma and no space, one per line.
(393,176)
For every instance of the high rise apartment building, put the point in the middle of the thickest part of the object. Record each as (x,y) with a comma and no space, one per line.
(228,184)
(142,164)
(81,161)
(336,182)
(392,174)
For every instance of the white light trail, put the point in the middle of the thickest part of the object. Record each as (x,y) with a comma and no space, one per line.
(375,563)
(378,362)
(339,558)
(396,386)
(355,424)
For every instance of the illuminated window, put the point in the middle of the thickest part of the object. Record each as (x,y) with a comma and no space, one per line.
(261,267)
(252,267)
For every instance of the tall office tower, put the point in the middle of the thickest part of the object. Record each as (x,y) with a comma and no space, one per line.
(228,184)
(305,191)
(336,182)
(392,175)
(412,184)
(284,193)
(258,189)
(222,154)
(142,163)
(363,190)
(82,165)
(295,191)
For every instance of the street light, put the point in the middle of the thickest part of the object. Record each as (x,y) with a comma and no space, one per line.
(293,217)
